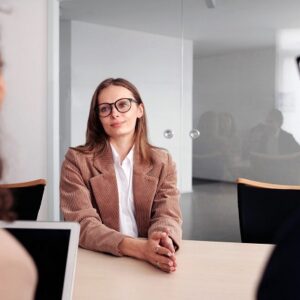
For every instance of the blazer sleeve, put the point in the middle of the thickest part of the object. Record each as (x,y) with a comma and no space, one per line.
(166,213)
(76,205)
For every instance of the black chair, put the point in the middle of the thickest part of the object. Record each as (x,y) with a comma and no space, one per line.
(264,208)
(27,198)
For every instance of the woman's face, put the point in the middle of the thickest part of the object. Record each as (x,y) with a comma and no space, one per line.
(119,125)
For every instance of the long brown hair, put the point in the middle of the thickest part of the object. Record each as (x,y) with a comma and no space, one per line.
(96,137)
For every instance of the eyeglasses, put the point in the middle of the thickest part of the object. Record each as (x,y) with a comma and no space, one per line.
(122,105)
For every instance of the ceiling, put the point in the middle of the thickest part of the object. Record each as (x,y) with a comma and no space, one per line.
(232,25)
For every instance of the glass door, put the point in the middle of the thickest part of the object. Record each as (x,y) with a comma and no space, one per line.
(245,105)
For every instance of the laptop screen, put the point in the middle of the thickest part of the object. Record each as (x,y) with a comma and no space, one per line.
(51,250)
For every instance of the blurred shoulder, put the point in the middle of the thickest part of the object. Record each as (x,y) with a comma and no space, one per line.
(18,273)
(13,254)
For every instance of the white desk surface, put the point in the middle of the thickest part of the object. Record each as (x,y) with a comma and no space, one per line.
(206,270)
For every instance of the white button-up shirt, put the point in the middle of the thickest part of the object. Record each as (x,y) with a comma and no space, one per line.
(124,172)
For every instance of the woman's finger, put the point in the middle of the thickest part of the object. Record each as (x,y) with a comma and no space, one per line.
(163,251)
(164,267)
(164,260)
(168,243)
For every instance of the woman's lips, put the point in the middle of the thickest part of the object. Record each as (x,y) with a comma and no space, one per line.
(116,125)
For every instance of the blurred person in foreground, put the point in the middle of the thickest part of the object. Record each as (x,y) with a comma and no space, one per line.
(18,274)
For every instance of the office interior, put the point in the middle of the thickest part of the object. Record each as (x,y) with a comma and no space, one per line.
(211,74)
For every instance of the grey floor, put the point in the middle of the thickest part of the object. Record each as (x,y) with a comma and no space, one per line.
(210,213)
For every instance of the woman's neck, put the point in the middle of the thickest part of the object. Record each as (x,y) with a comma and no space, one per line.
(122,146)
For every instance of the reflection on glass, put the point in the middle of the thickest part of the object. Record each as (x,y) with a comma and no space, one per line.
(273,153)
(269,138)
(240,88)
(217,148)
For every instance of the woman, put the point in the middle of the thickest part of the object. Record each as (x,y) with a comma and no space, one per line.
(119,187)
(18,275)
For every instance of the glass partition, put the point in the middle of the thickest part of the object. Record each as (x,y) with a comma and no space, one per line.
(245,105)
(246,89)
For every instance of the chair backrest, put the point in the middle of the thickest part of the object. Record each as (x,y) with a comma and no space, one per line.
(27,198)
(264,208)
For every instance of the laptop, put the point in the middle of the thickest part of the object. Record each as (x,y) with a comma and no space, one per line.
(53,247)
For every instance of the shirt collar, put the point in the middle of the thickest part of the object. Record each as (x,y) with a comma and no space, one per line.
(116,156)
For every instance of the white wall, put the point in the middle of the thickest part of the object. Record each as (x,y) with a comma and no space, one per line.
(24,45)
(153,64)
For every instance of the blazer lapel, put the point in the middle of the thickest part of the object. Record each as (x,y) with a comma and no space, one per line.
(105,190)
(144,189)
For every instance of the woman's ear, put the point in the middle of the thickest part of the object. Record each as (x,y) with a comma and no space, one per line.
(140,110)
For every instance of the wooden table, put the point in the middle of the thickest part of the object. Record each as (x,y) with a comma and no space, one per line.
(206,270)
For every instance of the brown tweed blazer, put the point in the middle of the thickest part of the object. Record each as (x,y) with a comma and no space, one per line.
(89,195)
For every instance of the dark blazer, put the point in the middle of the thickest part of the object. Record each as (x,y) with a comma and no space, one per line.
(281,278)
(89,195)
(287,143)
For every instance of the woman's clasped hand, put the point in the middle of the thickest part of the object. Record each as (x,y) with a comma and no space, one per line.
(158,250)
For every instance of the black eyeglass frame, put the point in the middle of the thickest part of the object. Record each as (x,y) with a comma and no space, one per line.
(114,104)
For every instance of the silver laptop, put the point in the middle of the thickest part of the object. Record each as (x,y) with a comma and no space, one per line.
(53,247)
